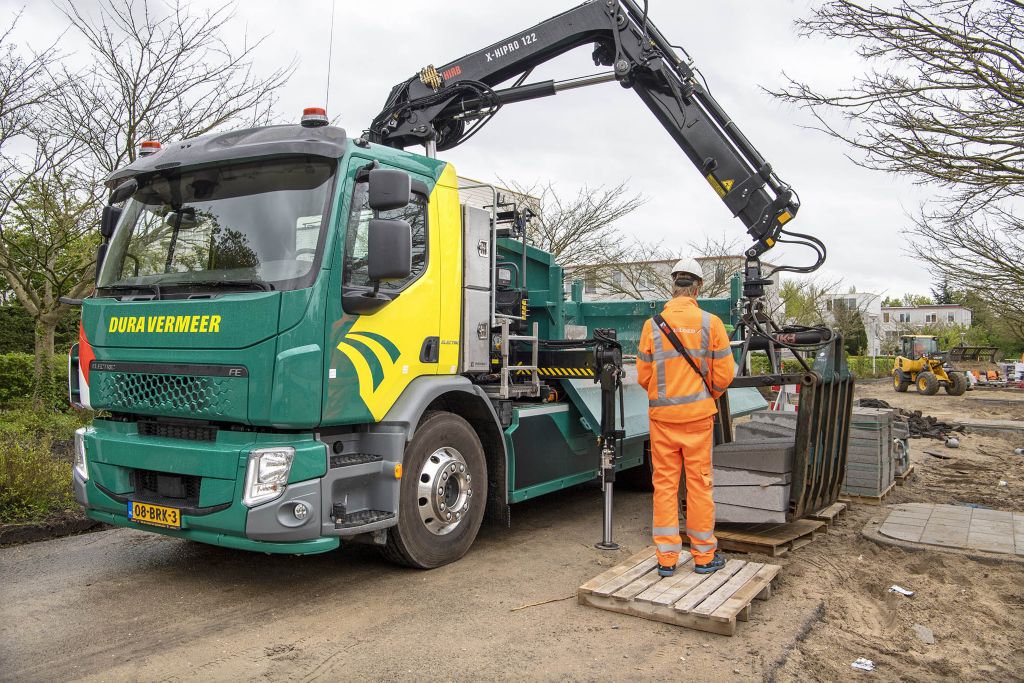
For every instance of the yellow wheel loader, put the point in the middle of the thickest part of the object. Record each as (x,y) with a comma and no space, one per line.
(922,364)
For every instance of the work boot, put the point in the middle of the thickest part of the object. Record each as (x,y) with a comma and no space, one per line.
(666,571)
(711,567)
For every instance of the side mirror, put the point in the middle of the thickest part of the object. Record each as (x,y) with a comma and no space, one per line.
(101,253)
(388,250)
(124,191)
(389,189)
(111,214)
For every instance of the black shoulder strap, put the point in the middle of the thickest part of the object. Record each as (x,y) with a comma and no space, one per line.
(678,346)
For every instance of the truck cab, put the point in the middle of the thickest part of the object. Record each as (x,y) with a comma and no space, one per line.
(290,344)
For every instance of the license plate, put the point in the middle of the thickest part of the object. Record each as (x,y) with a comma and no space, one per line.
(157,515)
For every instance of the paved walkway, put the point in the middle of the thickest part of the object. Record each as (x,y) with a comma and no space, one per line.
(955,526)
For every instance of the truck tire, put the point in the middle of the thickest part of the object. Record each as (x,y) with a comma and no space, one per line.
(639,478)
(443,494)
(927,383)
(900,382)
(957,384)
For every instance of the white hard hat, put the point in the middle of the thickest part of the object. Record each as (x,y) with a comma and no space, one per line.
(689,266)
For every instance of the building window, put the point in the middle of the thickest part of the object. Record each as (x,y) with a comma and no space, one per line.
(930,318)
(904,317)
(950,317)
(885,317)
(590,285)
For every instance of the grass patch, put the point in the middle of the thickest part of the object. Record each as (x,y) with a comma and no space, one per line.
(36,455)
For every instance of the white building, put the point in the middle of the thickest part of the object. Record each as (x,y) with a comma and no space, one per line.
(869,306)
(900,320)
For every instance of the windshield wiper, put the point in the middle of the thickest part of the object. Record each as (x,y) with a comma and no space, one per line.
(124,288)
(251,284)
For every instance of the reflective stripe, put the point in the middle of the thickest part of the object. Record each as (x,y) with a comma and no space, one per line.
(699,535)
(705,341)
(704,548)
(680,400)
(721,353)
(644,356)
(672,353)
(669,547)
(659,368)
(665,531)
(715,387)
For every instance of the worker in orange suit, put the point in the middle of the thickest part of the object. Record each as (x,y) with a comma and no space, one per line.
(682,393)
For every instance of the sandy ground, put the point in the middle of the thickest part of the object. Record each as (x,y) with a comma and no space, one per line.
(125,605)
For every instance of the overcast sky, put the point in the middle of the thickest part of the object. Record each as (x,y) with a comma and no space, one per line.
(603,134)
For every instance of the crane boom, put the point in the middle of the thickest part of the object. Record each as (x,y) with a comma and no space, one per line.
(441,107)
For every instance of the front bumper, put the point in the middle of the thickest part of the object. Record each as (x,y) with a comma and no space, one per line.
(115,453)
(213,513)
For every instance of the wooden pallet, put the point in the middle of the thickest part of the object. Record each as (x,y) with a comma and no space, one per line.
(902,479)
(706,602)
(768,539)
(870,500)
(829,514)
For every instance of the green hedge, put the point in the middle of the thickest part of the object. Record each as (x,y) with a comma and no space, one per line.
(859,365)
(17,383)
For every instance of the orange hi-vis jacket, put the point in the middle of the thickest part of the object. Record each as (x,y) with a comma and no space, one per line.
(676,392)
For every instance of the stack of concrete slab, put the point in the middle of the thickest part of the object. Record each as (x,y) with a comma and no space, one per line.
(869,456)
(753,477)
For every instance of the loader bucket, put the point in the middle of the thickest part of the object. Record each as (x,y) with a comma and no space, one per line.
(973,353)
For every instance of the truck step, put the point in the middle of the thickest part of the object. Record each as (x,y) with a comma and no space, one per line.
(348,459)
(361,517)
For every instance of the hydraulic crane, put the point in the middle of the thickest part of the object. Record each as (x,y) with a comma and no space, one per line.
(442,107)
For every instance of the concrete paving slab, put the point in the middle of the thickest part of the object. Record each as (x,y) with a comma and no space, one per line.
(907,521)
(971,531)
(902,531)
(945,539)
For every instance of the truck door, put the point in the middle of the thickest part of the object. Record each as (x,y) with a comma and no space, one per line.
(375,354)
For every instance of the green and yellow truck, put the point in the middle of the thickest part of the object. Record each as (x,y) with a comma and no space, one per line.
(300,338)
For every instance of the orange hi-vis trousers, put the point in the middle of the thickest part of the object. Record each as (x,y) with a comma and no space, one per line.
(678,446)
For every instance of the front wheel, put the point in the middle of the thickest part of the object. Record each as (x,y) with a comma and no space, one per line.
(927,383)
(900,382)
(957,385)
(443,494)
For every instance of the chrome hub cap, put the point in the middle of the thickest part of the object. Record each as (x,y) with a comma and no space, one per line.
(444,491)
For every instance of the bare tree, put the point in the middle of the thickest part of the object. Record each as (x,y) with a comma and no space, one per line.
(154,72)
(161,72)
(646,268)
(25,84)
(47,245)
(941,105)
(581,231)
(642,273)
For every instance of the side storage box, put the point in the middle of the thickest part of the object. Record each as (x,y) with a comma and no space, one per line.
(476,290)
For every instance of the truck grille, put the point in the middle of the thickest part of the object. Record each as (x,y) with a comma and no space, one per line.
(175,430)
(176,490)
(188,396)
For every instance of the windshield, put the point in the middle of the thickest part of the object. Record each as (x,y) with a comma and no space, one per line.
(253,223)
(924,347)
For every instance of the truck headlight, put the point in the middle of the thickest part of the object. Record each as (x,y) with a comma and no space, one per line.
(81,466)
(267,474)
